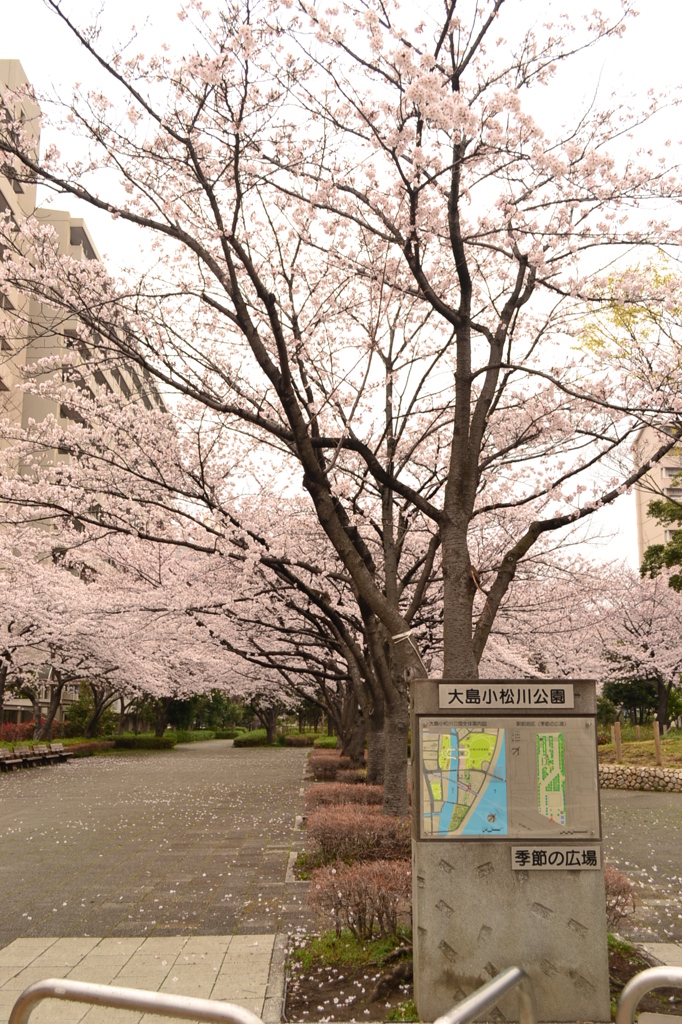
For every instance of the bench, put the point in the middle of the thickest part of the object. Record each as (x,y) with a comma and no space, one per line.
(8,762)
(58,749)
(26,756)
(47,755)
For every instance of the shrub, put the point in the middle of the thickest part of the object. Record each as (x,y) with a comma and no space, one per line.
(325,764)
(226,734)
(88,749)
(364,897)
(255,738)
(166,742)
(603,738)
(299,740)
(192,735)
(333,794)
(326,742)
(351,776)
(14,733)
(355,832)
(620,895)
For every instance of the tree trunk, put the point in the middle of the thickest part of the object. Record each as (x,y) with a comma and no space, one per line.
(397,724)
(354,746)
(376,746)
(162,715)
(663,690)
(37,713)
(459,590)
(3,683)
(45,728)
(271,725)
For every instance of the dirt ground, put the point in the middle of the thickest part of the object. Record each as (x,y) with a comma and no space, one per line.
(322,993)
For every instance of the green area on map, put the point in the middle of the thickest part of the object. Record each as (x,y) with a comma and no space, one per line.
(551,776)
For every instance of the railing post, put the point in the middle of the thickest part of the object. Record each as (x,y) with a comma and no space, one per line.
(645,981)
(210,1011)
(488,995)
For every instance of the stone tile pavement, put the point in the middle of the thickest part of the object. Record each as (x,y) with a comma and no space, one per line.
(234,968)
(668,953)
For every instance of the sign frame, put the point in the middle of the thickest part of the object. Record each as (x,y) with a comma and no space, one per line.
(512,840)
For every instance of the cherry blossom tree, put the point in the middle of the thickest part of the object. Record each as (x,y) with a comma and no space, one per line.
(374,263)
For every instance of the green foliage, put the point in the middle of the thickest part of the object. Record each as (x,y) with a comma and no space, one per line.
(344,950)
(607,712)
(633,696)
(80,712)
(226,734)
(255,738)
(326,742)
(620,946)
(214,711)
(146,742)
(193,735)
(665,556)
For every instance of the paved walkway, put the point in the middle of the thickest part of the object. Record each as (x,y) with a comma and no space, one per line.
(194,840)
(149,867)
(232,968)
(643,838)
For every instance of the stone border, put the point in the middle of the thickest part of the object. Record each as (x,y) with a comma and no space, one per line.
(627,776)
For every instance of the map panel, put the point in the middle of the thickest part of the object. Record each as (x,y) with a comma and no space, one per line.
(485,777)
(465,782)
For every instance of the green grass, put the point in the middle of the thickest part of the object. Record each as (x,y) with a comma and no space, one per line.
(305,864)
(344,950)
(404,1011)
(326,742)
(620,946)
(643,752)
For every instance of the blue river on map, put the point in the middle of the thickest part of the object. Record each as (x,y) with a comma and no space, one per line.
(449,805)
(493,801)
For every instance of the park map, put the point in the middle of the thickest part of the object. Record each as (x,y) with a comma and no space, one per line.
(464,777)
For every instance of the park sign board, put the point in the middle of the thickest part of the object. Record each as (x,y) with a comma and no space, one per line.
(508,777)
(506,843)
(506,695)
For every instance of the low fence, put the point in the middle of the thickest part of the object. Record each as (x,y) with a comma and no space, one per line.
(629,776)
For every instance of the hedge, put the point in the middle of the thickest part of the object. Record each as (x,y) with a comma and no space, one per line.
(226,734)
(326,742)
(255,738)
(166,742)
(192,735)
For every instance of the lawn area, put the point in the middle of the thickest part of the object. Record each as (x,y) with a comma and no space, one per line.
(642,752)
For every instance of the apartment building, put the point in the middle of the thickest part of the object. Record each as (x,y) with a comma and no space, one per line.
(34,331)
(664,480)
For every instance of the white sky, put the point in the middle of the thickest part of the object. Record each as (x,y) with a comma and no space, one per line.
(646,58)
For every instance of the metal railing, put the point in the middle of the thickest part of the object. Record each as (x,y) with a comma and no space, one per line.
(488,995)
(645,981)
(184,1007)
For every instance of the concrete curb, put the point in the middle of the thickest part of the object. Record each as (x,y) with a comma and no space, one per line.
(273,1006)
